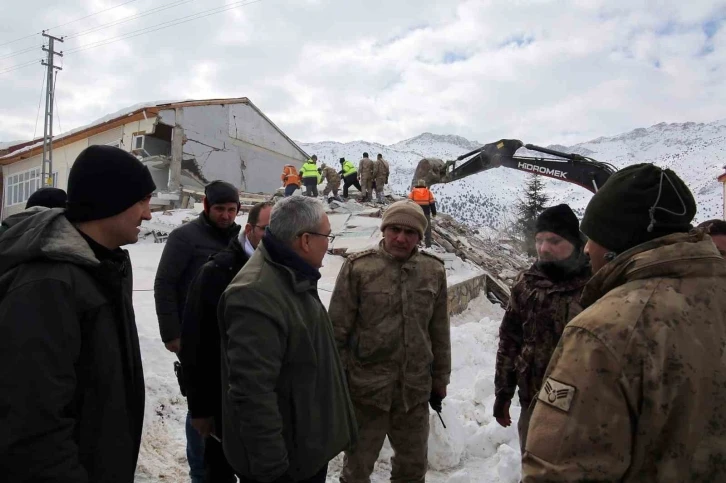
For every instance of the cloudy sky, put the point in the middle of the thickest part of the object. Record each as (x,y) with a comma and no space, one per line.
(543,71)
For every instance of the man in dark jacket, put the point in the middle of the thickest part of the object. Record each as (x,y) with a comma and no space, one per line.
(200,354)
(286,407)
(43,198)
(187,249)
(543,300)
(71,380)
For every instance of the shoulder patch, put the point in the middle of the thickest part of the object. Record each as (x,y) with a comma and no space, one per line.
(431,255)
(557,394)
(364,253)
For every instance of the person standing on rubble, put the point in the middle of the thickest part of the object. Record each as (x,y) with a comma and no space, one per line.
(390,316)
(366,169)
(543,300)
(310,176)
(350,176)
(423,197)
(333,183)
(187,249)
(381,172)
(634,391)
(290,179)
(200,341)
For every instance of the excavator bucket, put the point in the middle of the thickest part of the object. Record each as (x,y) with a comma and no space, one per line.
(431,170)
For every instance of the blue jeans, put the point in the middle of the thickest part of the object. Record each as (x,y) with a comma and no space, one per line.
(290,189)
(195,452)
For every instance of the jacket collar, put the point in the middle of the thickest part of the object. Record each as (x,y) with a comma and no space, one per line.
(679,255)
(225,233)
(303,276)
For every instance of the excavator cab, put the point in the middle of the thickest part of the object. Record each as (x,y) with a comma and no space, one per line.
(572,168)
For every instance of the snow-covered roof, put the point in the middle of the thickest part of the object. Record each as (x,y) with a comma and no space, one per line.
(18,151)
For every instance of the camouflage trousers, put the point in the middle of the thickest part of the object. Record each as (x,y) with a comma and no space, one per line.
(366,185)
(331,187)
(408,433)
(380,184)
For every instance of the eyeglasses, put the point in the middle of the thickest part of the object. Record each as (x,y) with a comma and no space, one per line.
(330,238)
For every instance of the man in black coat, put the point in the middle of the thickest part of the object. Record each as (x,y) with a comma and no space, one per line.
(187,249)
(71,379)
(200,342)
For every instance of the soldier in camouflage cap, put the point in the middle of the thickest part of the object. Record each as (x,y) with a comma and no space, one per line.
(333,183)
(391,323)
(543,300)
(636,388)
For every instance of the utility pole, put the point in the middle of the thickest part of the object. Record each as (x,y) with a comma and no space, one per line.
(47,180)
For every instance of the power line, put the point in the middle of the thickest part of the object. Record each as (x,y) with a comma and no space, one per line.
(40,100)
(163,25)
(67,23)
(18,52)
(135,16)
(20,66)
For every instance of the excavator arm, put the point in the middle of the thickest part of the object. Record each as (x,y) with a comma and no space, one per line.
(572,168)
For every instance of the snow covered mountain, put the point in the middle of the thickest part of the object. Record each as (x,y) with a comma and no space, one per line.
(696,151)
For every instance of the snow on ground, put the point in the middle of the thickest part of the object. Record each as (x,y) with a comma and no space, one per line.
(473,448)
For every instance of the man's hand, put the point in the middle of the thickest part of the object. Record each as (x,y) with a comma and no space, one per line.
(439,390)
(204,426)
(501,412)
(174,346)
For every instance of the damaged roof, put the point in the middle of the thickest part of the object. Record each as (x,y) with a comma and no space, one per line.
(136,112)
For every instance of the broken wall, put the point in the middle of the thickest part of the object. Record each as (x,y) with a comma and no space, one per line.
(234,143)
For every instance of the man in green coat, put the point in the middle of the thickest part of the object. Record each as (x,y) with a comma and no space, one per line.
(310,176)
(286,409)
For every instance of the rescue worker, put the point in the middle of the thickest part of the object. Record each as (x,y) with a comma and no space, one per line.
(333,183)
(366,176)
(286,407)
(382,171)
(390,317)
(71,377)
(290,179)
(717,231)
(200,341)
(543,300)
(425,199)
(350,176)
(187,249)
(310,176)
(635,389)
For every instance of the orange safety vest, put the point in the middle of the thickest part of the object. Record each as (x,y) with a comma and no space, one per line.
(290,175)
(422,196)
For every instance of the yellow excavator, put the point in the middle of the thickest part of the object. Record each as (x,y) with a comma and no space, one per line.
(572,168)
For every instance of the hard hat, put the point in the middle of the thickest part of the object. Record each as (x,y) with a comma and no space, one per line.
(420,183)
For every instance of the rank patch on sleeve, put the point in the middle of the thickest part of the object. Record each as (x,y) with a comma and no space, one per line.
(557,394)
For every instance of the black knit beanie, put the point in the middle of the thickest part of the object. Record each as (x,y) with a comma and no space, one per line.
(638,204)
(105,181)
(48,197)
(561,221)
(342,160)
(219,191)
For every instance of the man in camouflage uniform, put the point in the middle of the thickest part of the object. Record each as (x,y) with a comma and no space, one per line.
(716,229)
(366,169)
(333,182)
(391,324)
(635,390)
(543,300)
(382,171)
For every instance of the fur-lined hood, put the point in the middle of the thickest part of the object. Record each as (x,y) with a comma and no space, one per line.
(46,235)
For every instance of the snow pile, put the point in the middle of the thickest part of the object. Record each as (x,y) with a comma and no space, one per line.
(472,448)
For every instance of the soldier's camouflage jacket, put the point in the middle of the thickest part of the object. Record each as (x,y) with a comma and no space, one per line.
(539,308)
(331,176)
(636,390)
(366,168)
(381,172)
(391,325)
